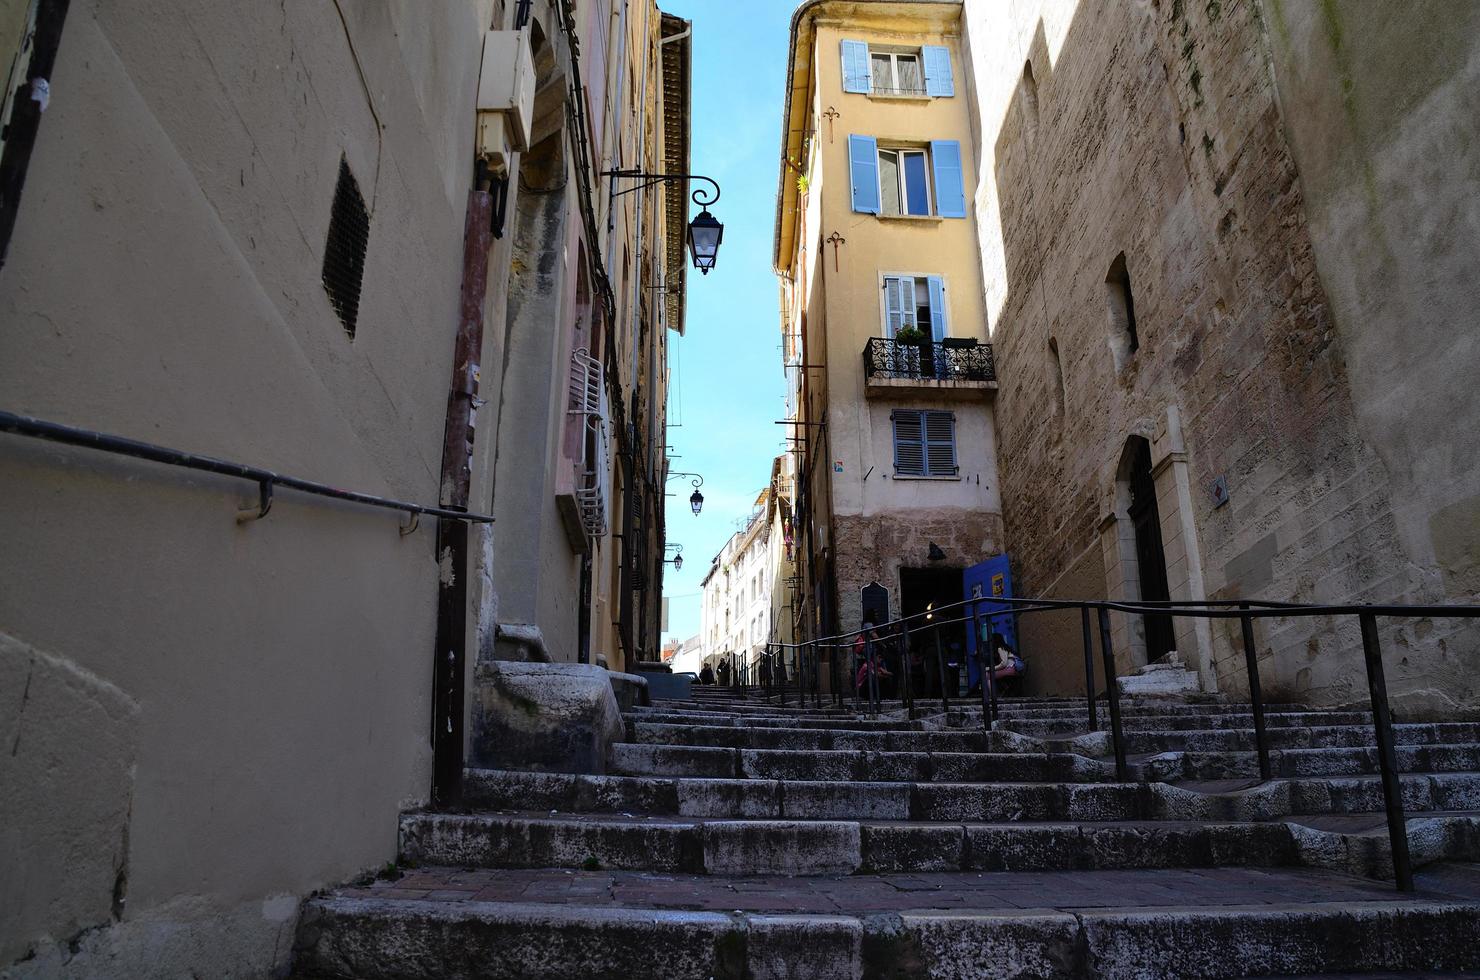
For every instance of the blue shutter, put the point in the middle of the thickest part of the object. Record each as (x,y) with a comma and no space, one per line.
(939,430)
(856,74)
(909,443)
(937,309)
(938,80)
(863,169)
(950,187)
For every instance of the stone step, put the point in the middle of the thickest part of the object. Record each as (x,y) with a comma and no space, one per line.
(1289,763)
(791,847)
(766,847)
(959,802)
(1189,722)
(727,736)
(543,925)
(763,721)
(629,759)
(1323,736)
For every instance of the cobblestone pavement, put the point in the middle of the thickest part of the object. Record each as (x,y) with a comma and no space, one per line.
(899,892)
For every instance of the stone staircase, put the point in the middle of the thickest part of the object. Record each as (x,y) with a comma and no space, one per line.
(734,837)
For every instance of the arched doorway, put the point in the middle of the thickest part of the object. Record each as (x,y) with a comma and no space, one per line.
(1151,561)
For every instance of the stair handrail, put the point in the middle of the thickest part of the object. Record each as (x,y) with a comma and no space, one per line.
(1246,610)
(266,480)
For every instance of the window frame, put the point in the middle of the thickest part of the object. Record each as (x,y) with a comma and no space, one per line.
(900,149)
(919,277)
(894,54)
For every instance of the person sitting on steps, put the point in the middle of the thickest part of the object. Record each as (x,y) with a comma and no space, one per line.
(1008,663)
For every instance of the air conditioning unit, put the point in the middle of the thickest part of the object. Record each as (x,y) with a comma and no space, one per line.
(505,96)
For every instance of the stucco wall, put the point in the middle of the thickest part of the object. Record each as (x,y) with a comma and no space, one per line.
(230,715)
(882,523)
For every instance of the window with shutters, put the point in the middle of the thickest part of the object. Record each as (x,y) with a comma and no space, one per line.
(907,181)
(914,302)
(888,70)
(924,443)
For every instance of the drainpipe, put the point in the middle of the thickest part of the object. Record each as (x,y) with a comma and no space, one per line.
(450,665)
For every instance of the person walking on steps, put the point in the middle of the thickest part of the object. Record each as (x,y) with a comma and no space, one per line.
(706,675)
(724,673)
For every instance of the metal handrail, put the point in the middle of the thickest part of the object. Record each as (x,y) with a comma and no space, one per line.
(1245,610)
(266,480)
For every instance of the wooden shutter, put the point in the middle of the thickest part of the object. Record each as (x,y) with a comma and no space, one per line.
(909,443)
(950,187)
(937,308)
(863,170)
(938,80)
(893,308)
(940,443)
(856,75)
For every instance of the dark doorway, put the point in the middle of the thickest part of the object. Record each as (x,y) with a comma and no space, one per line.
(923,590)
(1150,558)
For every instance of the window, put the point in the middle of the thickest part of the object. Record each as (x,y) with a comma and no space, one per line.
(1056,367)
(1028,93)
(884,70)
(915,181)
(896,74)
(916,302)
(904,186)
(1124,340)
(924,443)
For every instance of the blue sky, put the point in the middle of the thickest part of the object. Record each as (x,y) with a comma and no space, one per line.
(727,385)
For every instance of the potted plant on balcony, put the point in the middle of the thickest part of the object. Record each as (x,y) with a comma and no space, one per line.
(913,336)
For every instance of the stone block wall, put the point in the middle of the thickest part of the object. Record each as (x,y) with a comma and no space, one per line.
(1154,129)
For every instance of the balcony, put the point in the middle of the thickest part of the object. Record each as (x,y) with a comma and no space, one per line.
(949,367)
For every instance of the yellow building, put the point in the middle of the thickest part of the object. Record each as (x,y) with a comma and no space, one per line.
(884,330)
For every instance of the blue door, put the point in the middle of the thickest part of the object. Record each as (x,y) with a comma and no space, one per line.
(985,580)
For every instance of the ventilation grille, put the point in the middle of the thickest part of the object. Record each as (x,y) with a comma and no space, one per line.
(344,252)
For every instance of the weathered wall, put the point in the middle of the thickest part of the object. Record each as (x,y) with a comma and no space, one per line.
(1155,130)
(1378,103)
(874,549)
(1052,643)
(235,712)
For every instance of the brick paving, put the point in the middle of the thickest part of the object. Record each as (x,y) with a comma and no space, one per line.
(1189,888)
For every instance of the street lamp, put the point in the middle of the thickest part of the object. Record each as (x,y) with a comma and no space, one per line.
(696,499)
(677,560)
(705,234)
(705,231)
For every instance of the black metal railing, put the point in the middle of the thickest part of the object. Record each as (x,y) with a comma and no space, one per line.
(943,360)
(805,660)
(266,480)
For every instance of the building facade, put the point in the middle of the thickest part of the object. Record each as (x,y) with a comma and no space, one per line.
(736,611)
(885,332)
(276,244)
(1230,312)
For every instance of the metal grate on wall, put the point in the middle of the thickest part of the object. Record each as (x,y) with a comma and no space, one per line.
(344,252)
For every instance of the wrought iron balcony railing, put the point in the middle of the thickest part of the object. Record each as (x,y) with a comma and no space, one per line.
(947,360)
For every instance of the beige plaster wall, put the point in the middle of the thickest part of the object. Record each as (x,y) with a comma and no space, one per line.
(228,715)
(877,518)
